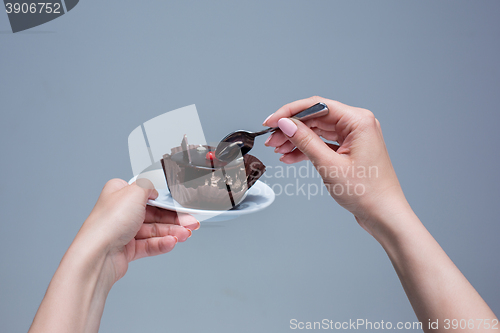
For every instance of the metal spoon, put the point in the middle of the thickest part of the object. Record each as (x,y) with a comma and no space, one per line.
(242,141)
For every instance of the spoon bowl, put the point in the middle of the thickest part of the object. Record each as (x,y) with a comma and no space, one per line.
(236,143)
(241,141)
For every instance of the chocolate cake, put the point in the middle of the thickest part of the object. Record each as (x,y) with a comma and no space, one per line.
(196,179)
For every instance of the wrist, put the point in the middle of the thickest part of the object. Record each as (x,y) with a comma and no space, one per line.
(390,218)
(88,256)
(395,225)
(76,293)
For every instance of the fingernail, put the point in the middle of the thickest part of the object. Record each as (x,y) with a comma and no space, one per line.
(268,139)
(277,149)
(190,232)
(281,157)
(176,239)
(186,221)
(265,121)
(198,226)
(287,126)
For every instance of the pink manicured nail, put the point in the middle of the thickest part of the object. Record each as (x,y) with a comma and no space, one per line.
(265,121)
(268,139)
(287,126)
(190,232)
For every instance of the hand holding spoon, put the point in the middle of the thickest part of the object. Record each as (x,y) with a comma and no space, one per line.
(242,141)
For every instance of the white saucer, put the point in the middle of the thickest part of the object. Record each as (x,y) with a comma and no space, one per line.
(257,198)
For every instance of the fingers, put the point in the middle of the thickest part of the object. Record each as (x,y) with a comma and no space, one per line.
(288,110)
(113,185)
(158,215)
(142,190)
(332,146)
(187,221)
(154,246)
(337,110)
(276,139)
(293,157)
(161,230)
(321,124)
(148,187)
(307,142)
(152,230)
(330,136)
(285,148)
(288,146)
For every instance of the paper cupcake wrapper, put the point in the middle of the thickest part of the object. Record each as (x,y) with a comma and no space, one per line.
(201,193)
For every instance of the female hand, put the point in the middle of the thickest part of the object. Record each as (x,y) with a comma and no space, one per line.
(435,287)
(131,229)
(357,172)
(120,228)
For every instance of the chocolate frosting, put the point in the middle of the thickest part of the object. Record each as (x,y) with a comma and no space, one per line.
(194,183)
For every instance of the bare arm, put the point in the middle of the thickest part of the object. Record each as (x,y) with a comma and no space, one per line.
(434,285)
(436,288)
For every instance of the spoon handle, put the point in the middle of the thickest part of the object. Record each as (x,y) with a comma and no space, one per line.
(267,130)
(317,110)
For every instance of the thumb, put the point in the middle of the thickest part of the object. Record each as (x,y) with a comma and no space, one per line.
(148,189)
(308,142)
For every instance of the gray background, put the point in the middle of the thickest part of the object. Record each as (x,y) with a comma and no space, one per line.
(72,90)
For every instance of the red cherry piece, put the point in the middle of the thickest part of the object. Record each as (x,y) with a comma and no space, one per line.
(210,155)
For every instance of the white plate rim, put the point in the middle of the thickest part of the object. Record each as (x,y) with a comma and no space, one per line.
(259,185)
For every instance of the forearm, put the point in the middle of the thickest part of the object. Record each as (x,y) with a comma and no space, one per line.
(436,288)
(76,295)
